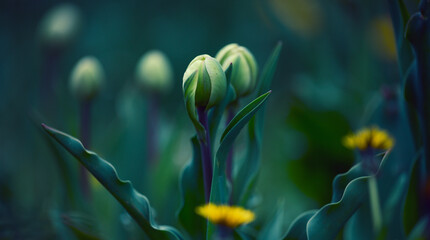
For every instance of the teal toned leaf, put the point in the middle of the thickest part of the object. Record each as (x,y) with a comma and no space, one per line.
(274,227)
(342,180)
(329,220)
(192,193)
(220,190)
(418,232)
(82,226)
(400,17)
(297,230)
(242,117)
(135,203)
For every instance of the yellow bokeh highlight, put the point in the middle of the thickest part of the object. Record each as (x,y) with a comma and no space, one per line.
(230,216)
(367,138)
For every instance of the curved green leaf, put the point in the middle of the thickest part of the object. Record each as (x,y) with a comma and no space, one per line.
(329,220)
(238,122)
(220,189)
(247,174)
(297,229)
(192,193)
(342,180)
(135,203)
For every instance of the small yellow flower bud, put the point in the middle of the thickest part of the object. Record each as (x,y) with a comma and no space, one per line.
(86,78)
(367,138)
(245,70)
(229,216)
(154,72)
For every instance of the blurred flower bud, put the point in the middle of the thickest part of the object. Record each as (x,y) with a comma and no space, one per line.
(86,78)
(245,70)
(60,26)
(208,84)
(154,72)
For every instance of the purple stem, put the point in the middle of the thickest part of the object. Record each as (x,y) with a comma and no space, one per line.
(50,73)
(152,127)
(85,109)
(229,163)
(206,152)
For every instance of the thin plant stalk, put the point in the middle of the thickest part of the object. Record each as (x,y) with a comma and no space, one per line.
(206,152)
(375,206)
(229,162)
(85,116)
(152,126)
(224,232)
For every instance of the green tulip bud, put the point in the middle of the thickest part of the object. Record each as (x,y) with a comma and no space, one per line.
(60,26)
(154,72)
(86,78)
(244,71)
(205,81)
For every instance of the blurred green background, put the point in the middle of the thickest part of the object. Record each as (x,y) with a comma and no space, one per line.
(337,64)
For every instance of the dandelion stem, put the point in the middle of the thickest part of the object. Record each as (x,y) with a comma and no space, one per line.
(206,152)
(85,139)
(224,232)
(374,204)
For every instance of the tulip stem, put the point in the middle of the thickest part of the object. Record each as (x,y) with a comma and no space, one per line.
(375,205)
(85,115)
(229,162)
(206,153)
(152,127)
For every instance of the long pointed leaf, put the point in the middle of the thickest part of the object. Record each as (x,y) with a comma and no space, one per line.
(192,193)
(220,190)
(247,175)
(135,203)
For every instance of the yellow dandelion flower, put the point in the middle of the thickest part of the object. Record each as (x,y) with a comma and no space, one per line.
(369,138)
(230,216)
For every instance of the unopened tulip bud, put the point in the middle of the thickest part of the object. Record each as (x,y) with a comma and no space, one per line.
(208,85)
(154,72)
(60,26)
(244,71)
(86,78)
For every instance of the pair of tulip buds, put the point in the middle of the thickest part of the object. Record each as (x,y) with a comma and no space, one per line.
(205,82)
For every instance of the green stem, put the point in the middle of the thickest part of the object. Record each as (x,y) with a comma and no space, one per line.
(374,204)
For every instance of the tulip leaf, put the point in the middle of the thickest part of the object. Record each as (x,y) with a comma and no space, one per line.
(192,192)
(247,175)
(297,229)
(189,95)
(136,204)
(342,180)
(220,190)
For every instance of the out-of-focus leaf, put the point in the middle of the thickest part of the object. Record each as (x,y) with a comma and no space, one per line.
(418,231)
(82,226)
(400,16)
(135,203)
(192,192)
(246,177)
(297,229)
(220,191)
(274,227)
(342,180)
